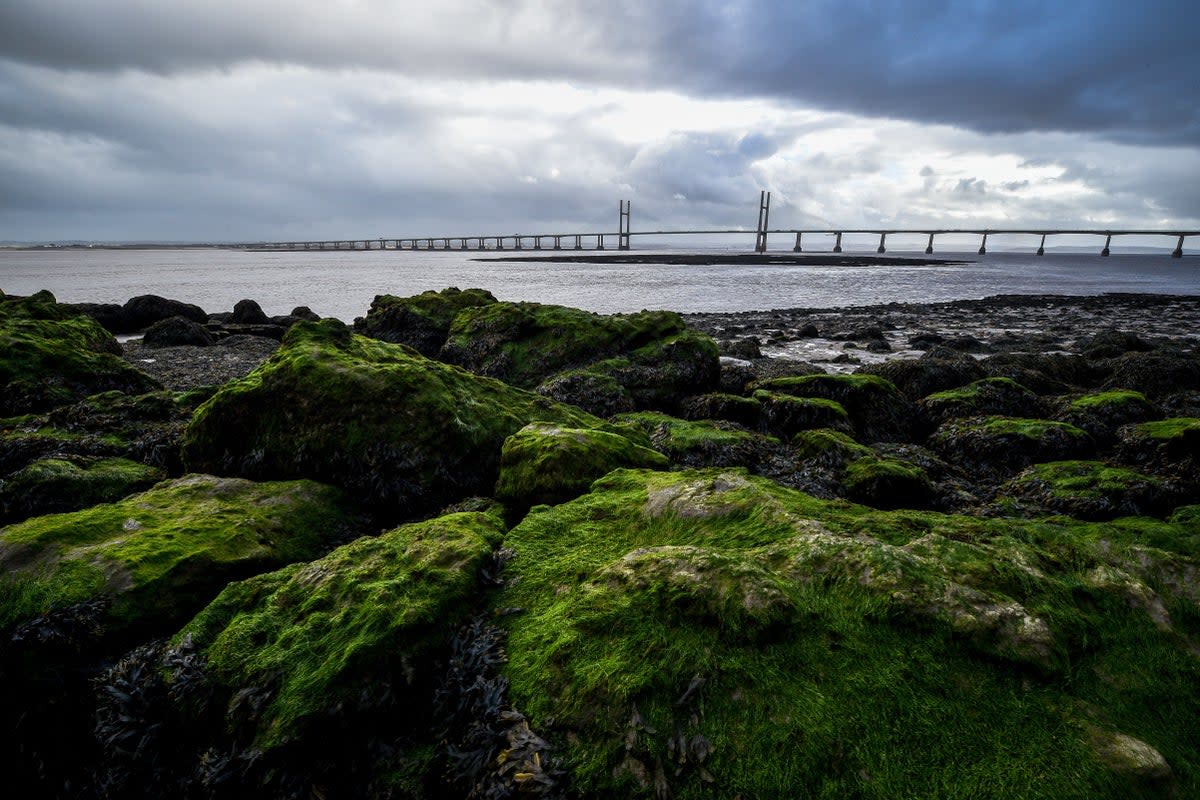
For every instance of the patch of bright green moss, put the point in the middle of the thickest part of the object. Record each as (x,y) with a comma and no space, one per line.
(547,463)
(877,409)
(399,430)
(1117,398)
(1029,428)
(1169,430)
(819,649)
(327,632)
(162,554)
(677,437)
(972,390)
(827,443)
(1071,479)
(56,484)
(887,482)
(51,355)
(786,415)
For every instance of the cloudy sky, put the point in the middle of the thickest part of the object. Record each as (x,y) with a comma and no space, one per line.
(228,120)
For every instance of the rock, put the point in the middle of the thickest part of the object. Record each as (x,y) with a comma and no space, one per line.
(269,330)
(705,443)
(53,355)
(808,331)
(1045,373)
(1169,445)
(878,346)
(1112,343)
(595,393)
(1102,413)
(714,607)
(1000,445)
(161,555)
(887,483)
(745,411)
(1144,769)
(175,331)
(248,312)
(423,321)
(917,378)
(747,348)
(924,341)
(987,397)
(1154,374)
(405,434)
(56,485)
(1093,490)
(547,463)
(144,310)
(110,315)
(785,415)
(877,410)
(304,313)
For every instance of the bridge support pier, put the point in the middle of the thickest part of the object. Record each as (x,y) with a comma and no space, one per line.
(623,227)
(882,245)
(1178,251)
(462,244)
(797,248)
(764,214)
(518,244)
(1107,243)
(983,245)
(445,244)
(537,243)
(1042,247)
(558,243)
(837,245)
(929,247)
(599,241)
(578,242)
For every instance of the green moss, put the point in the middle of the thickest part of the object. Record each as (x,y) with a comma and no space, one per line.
(826,385)
(1094,490)
(1104,401)
(887,483)
(1033,429)
(1169,430)
(326,633)
(828,444)
(677,437)
(400,430)
(786,415)
(525,343)
(877,409)
(162,554)
(973,390)
(51,355)
(546,463)
(56,484)
(824,650)
(1069,479)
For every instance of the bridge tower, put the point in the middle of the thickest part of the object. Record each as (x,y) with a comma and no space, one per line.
(623,225)
(764,213)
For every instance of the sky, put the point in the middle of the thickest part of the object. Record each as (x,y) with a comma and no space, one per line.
(249,120)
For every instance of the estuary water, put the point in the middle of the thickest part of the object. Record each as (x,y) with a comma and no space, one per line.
(342,283)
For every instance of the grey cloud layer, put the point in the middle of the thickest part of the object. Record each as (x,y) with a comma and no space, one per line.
(1124,70)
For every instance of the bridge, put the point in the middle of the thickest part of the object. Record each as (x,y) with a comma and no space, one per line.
(598,240)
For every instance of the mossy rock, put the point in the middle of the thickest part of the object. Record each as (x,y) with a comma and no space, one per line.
(1162,444)
(710,621)
(987,397)
(1154,374)
(159,556)
(402,433)
(146,428)
(829,446)
(745,411)
(999,445)
(422,321)
(547,463)
(920,377)
(705,443)
(1102,413)
(349,632)
(785,415)
(52,354)
(877,410)
(1112,343)
(1094,490)
(53,485)
(659,375)
(595,393)
(1046,373)
(525,343)
(887,483)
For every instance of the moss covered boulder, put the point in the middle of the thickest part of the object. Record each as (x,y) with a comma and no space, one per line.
(709,634)
(403,433)
(710,443)
(1046,373)
(548,463)
(746,411)
(877,410)
(935,371)
(422,321)
(887,483)
(1172,445)
(1102,413)
(785,415)
(594,392)
(52,485)
(1154,374)
(52,354)
(1094,490)
(999,445)
(987,397)
(159,556)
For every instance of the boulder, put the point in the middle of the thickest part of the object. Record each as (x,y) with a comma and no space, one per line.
(51,354)
(1102,413)
(1004,445)
(405,434)
(745,411)
(110,315)
(1095,491)
(176,331)
(1046,373)
(422,321)
(55,485)
(987,397)
(144,310)
(784,415)
(1154,374)
(1168,445)
(1112,343)
(248,312)
(595,393)
(877,410)
(887,483)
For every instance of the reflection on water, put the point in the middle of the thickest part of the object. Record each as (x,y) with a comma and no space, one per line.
(342,284)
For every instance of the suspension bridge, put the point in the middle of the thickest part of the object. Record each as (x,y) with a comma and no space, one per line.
(621,239)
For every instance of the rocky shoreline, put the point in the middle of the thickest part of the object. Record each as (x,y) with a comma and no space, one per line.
(465,547)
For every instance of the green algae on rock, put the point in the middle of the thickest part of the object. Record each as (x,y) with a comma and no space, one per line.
(335,634)
(684,632)
(887,483)
(1001,445)
(162,554)
(405,434)
(786,415)
(51,354)
(989,396)
(1094,490)
(54,485)
(422,321)
(877,409)
(548,463)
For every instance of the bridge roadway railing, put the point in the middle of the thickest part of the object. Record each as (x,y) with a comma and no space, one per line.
(598,240)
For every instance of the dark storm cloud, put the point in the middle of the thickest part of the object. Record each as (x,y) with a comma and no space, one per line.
(1123,70)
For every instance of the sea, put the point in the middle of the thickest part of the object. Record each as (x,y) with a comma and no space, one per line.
(342,283)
